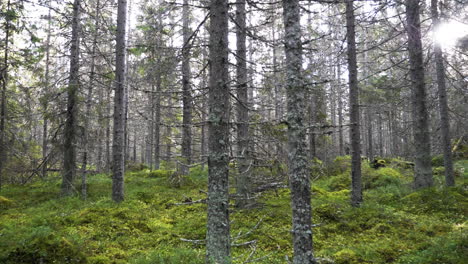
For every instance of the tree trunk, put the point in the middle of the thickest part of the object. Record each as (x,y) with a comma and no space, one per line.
(299,175)
(370,140)
(443,106)
(45,125)
(217,236)
(89,98)
(69,166)
(340,110)
(422,170)
(157,121)
(355,136)
(3,107)
(243,180)
(118,144)
(186,92)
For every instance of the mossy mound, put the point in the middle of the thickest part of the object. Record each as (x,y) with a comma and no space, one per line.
(5,203)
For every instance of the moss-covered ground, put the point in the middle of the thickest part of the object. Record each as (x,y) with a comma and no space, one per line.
(394,225)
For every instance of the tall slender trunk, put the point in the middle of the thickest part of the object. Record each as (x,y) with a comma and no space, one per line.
(443,106)
(108,128)
(157,121)
(243,180)
(355,136)
(89,98)
(69,166)
(186,92)
(422,171)
(370,140)
(217,236)
(151,122)
(3,107)
(380,134)
(45,125)
(340,109)
(168,156)
(299,175)
(134,159)
(118,144)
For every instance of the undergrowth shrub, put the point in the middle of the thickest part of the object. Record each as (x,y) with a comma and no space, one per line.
(340,165)
(437,161)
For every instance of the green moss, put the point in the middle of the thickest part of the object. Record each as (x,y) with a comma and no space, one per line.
(346,256)
(160,173)
(394,224)
(5,203)
(381,177)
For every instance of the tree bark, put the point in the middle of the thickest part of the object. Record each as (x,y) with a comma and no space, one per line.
(299,175)
(3,107)
(355,136)
(422,171)
(340,110)
(186,92)
(45,104)
(443,106)
(69,159)
(89,98)
(118,144)
(243,180)
(218,238)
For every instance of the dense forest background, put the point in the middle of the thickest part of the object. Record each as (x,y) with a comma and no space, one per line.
(151,131)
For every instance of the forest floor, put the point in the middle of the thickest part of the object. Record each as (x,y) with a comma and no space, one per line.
(153,225)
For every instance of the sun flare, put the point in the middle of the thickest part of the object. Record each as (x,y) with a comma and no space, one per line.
(448,33)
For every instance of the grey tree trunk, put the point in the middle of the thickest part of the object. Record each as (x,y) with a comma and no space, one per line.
(217,236)
(149,147)
(118,144)
(89,98)
(3,107)
(299,175)
(108,128)
(243,180)
(355,136)
(443,106)
(157,114)
(380,135)
(69,166)
(45,125)
(370,140)
(186,92)
(340,110)
(422,171)
(157,121)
